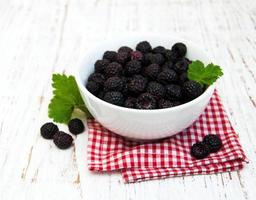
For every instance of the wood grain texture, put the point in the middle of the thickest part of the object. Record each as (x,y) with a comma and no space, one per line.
(40,37)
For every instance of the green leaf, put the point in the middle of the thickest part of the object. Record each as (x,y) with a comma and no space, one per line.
(66,98)
(204,75)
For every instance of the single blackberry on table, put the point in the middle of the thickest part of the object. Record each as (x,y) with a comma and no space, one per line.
(159,49)
(75,126)
(164,103)
(199,150)
(137,55)
(181,66)
(156,89)
(97,78)
(125,49)
(183,78)
(137,84)
(173,92)
(130,102)
(114,97)
(144,47)
(113,69)
(191,90)
(167,76)
(171,55)
(48,130)
(62,140)
(110,55)
(213,142)
(167,65)
(122,57)
(151,71)
(180,49)
(150,58)
(93,87)
(146,101)
(132,67)
(113,83)
(100,65)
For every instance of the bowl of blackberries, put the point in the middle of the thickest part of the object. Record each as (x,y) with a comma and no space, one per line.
(138,86)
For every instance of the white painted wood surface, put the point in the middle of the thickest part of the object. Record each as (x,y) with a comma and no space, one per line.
(40,37)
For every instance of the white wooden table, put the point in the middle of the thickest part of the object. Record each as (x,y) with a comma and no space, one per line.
(40,37)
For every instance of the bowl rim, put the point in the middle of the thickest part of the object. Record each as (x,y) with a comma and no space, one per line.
(82,87)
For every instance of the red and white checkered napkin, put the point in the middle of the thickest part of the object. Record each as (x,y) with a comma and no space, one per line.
(169,157)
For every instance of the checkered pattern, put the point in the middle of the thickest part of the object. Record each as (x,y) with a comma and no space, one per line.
(169,157)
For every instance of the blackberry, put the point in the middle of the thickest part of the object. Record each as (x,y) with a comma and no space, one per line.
(114,97)
(93,87)
(191,90)
(75,126)
(181,66)
(173,92)
(146,101)
(100,65)
(147,58)
(110,55)
(199,150)
(125,49)
(62,140)
(156,89)
(167,65)
(100,95)
(183,78)
(132,67)
(130,102)
(144,47)
(113,69)
(48,130)
(97,78)
(171,55)
(154,58)
(125,87)
(137,55)
(167,76)
(137,84)
(113,84)
(180,49)
(159,49)
(164,103)
(213,142)
(152,71)
(122,57)
(157,58)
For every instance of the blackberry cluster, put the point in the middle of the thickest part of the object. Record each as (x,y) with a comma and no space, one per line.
(211,144)
(61,139)
(145,77)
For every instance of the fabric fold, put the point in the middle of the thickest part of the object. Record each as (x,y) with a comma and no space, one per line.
(168,157)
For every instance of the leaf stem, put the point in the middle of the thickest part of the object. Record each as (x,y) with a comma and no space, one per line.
(83,108)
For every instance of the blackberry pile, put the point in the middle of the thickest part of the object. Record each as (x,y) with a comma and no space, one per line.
(61,139)
(144,78)
(211,144)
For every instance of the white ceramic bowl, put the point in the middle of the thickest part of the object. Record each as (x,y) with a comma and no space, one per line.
(141,124)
